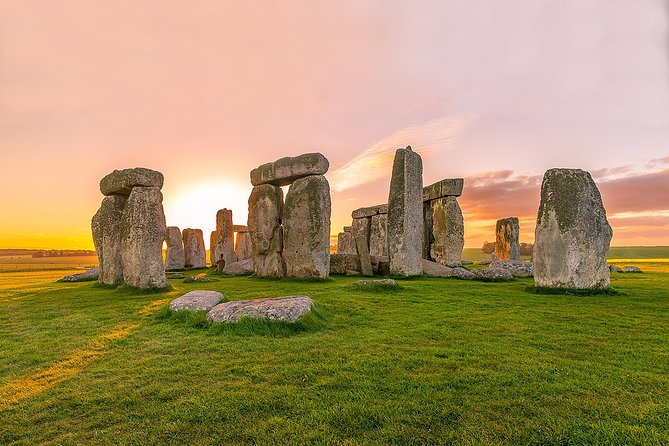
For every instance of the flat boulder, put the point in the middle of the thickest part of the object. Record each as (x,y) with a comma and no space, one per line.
(121,182)
(434,269)
(380,282)
(615,269)
(493,273)
(197,300)
(450,187)
(241,268)
(91,274)
(284,171)
(632,269)
(515,267)
(286,309)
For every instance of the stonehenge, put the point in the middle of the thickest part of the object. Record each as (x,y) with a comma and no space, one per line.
(195,254)
(405,214)
(572,235)
(443,233)
(345,243)
(129,228)
(292,238)
(507,242)
(174,255)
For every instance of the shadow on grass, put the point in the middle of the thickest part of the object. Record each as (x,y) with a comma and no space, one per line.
(315,320)
(573,291)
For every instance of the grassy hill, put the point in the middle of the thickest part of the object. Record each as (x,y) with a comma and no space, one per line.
(439,361)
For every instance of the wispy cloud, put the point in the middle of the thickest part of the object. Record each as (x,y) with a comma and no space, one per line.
(375,162)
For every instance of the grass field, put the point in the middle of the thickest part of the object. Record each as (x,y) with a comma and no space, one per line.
(439,361)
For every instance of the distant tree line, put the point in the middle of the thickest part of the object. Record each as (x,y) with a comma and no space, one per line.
(63,253)
(525,248)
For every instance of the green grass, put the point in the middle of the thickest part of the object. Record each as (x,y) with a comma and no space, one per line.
(437,361)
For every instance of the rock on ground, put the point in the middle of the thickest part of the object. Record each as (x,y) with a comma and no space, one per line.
(448,231)
(197,300)
(379,282)
(287,309)
(195,253)
(174,255)
(143,234)
(405,214)
(286,170)
(615,269)
(91,274)
(121,182)
(493,273)
(434,269)
(265,213)
(107,228)
(240,268)
(632,269)
(516,268)
(306,228)
(572,235)
(507,245)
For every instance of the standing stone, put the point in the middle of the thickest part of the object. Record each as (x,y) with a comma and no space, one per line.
(214,248)
(572,236)
(194,250)
(264,221)
(226,237)
(361,226)
(363,254)
(405,214)
(378,235)
(143,234)
(107,228)
(243,249)
(306,226)
(507,245)
(345,243)
(174,255)
(448,231)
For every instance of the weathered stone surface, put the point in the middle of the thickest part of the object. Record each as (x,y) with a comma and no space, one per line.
(174,255)
(379,282)
(378,235)
(225,241)
(306,228)
(451,187)
(507,244)
(343,263)
(265,212)
(197,300)
(615,269)
(107,228)
(240,228)
(91,274)
(363,255)
(632,269)
(287,309)
(195,253)
(370,211)
(515,267)
(434,269)
(121,182)
(240,268)
(348,228)
(286,170)
(199,278)
(243,249)
(405,214)
(363,227)
(214,257)
(572,235)
(345,243)
(493,273)
(448,231)
(143,235)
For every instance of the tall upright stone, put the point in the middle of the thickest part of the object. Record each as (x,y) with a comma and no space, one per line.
(306,226)
(174,255)
(226,239)
(448,236)
(214,248)
(345,244)
(361,227)
(243,248)
(194,251)
(107,228)
(507,243)
(405,214)
(143,234)
(572,235)
(264,222)
(378,235)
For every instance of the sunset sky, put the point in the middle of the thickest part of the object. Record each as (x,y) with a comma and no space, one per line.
(493,91)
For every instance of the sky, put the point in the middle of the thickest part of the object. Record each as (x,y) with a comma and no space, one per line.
(494,91)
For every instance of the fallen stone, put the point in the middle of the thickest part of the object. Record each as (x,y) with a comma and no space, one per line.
(493,273)
(405,214)
(264,220)
(201,279)
(91,274)
(615,269)
(632,269)
(572,233)
(144,231)
(197,300)
(379,282)
(195,254)
(286,170)
(451,187)
(507,245)
(515,267)
(107,228)
(306,228)
(121,182)
(286,309)
(240,268)
(175,258)
(434,269)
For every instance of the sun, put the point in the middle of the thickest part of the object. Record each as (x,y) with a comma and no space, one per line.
(195,205)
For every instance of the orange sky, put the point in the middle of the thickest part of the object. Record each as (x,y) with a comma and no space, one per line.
(205,91)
